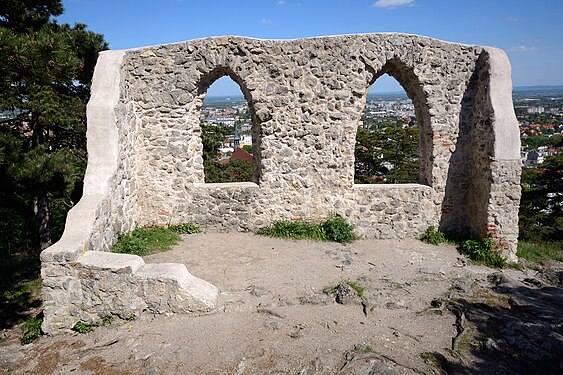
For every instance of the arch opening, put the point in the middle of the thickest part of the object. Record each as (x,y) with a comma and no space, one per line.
(394,138)
(230,134)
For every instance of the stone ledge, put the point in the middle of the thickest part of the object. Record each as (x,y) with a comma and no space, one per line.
(170,287)
(226,185)
(119,263)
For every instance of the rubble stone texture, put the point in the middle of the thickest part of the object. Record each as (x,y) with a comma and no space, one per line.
(306,96)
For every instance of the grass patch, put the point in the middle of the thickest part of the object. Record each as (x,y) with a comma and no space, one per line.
(540,252)
(334,229)
(483,251)
(31,329)
(433,236)
(149,240)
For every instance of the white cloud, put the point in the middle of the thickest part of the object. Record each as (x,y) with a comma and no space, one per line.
(282,3)
(513,19)
(265,21)
(522,49)
(392,4)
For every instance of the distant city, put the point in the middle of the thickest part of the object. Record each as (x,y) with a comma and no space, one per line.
(539,110)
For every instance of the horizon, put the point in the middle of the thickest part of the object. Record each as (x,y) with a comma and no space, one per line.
(528,32)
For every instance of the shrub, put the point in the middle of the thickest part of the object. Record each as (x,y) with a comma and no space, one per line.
(433,236)
(337,229)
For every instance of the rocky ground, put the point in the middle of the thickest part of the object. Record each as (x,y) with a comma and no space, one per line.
(292,307)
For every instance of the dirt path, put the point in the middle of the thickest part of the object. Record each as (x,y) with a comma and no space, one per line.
(274,318)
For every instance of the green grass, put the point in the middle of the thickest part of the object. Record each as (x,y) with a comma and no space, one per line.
(149,240)
(334,229)
(540,252)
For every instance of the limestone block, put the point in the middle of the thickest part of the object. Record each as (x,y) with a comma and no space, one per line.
(169,287)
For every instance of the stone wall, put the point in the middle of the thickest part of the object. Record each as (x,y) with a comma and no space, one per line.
(306,97)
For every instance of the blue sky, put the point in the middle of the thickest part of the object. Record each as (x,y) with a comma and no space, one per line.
(530,31)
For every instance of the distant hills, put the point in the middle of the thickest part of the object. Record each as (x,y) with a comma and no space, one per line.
(538,88)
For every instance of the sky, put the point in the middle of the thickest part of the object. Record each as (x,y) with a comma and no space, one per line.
(530,31)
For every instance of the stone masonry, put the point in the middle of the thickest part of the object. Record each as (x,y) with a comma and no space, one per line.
(306,97)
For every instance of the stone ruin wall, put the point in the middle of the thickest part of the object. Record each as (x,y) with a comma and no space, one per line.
(306,97)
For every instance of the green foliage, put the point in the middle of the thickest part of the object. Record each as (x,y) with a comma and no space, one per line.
(540,252)
(247,148)
(107,320)
(483,251)
(358,288)
(541,206)
(45,74)
(334,229)
(145,241)
(337,229)
(20,288)
(433,236)
(377,147)
(132,317)
(149,240)
(31,329)
(185,228)
(82,327)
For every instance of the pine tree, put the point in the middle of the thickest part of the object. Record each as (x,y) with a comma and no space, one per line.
(45,74)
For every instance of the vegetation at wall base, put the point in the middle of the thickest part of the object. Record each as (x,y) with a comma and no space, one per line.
(334,229)
(149,240)
(433,236)
(483,251)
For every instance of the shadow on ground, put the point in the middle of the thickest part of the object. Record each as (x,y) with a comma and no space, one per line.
(510,328)
(20,286)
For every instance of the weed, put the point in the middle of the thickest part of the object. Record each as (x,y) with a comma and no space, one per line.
(106,320)
(357,287)
(483,251)
(334,229)
(82,327)
(132,317)
(433,236)
(331,289)
(540,252)
(31,329)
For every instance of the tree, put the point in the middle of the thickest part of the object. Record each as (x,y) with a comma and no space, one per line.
(45,74)
(389,155)
(541,207)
